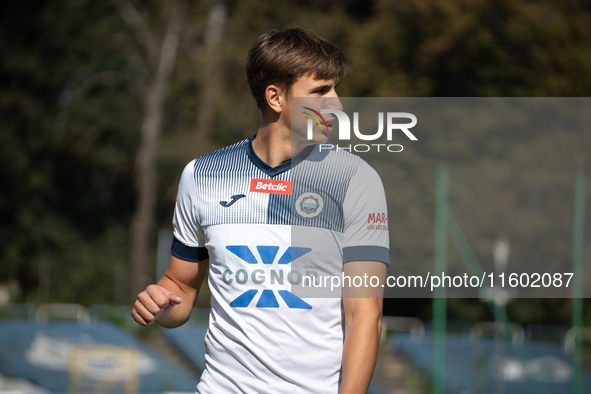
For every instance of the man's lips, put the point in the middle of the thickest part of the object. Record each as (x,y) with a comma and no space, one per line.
(329,123)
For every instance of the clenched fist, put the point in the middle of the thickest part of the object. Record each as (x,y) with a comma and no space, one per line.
(152,302)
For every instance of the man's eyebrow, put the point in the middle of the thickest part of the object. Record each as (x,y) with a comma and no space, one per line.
(328,85)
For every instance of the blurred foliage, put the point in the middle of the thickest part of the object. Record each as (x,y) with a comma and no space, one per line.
(70,113)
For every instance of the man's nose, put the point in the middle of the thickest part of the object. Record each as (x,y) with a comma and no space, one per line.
(333,102)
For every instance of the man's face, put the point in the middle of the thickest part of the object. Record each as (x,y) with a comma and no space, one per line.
(312,95)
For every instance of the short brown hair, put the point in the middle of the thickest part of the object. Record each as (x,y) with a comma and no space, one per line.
(282,57)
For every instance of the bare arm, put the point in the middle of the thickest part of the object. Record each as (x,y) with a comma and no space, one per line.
(363,326)
(170,302)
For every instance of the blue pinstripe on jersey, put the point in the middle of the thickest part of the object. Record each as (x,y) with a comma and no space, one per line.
(228,171)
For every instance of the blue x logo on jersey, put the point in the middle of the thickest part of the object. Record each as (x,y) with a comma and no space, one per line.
(267,256)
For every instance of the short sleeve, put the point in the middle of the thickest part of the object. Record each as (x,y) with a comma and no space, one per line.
(189,241)
(366,218)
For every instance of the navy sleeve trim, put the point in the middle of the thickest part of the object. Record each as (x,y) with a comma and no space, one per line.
(188,253)
(366,253)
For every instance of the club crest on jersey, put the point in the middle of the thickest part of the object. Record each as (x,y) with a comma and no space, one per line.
(309,205)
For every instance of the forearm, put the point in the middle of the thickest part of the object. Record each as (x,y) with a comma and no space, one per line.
(360,351)
(177,315)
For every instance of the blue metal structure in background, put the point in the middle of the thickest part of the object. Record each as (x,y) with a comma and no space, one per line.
(40,353)
(188,340)
(471,365)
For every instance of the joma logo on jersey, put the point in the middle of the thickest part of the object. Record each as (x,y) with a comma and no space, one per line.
(270,186)
(267,255)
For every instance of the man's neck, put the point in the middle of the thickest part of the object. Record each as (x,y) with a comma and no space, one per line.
(272,144)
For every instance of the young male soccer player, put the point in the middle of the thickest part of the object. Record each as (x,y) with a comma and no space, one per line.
(235,212)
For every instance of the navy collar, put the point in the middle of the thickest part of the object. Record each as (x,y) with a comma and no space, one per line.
(273,171)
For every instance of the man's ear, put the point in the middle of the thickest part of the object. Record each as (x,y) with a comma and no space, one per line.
(275,98)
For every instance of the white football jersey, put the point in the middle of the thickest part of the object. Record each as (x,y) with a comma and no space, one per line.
(243,214)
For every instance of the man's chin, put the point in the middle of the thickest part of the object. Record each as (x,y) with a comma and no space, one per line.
(322,139)
(319,138)
(302,145)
